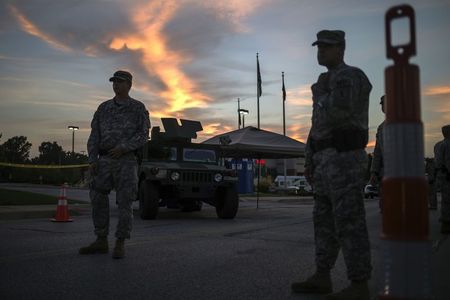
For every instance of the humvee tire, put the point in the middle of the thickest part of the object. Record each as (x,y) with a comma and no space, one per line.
(148,200)
(227,202)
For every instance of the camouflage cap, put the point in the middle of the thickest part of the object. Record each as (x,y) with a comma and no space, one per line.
(122,75)
(330,37)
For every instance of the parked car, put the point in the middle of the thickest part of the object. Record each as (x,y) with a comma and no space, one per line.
(293,189)
(371,191)
(308,188)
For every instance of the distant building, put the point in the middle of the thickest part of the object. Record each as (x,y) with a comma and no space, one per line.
(294,166)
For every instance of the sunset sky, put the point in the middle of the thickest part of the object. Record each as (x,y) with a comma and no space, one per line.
(192,59)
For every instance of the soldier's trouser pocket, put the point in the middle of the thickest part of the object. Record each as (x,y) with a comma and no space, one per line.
(102,182)
(126,179)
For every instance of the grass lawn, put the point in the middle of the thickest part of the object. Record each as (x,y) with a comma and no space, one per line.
(9,197)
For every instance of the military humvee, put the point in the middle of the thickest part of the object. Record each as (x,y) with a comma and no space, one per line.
(176,173)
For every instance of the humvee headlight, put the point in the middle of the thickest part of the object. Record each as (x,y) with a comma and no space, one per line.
(175,176)
(218,177)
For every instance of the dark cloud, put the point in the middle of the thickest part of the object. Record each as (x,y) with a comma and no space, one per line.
(132,60)
(196,31)
(88,27)
(6,20)
(78,23)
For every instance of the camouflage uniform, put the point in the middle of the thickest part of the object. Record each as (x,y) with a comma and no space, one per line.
(431,171)
(126,125)
(377,161)
(340,102)
(438,163)
(442,159)
(377,167)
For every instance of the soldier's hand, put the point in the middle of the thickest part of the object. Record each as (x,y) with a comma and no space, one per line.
(116,152)
(93,168)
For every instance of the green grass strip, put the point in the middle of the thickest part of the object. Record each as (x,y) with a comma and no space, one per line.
(10,197)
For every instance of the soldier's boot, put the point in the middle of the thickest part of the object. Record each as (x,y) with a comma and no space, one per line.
(318,283)
(357,290)
(445,227)
(119,249)
(99,246)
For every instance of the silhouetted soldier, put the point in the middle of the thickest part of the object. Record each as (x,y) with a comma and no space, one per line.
(336,164)
(430,170)
(377,167)
(442,160)
(120,126)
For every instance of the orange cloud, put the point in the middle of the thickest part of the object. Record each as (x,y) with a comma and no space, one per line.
(157,58)
(298,132)
(213,129)
(32,29)
(300,96)
(437,90)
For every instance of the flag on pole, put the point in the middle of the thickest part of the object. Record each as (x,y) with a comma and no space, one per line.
(284,89)
(258,77)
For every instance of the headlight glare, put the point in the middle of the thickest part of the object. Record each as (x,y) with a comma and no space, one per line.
(218,177)
(175,176)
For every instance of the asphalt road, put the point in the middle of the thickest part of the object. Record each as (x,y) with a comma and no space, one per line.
(183,256)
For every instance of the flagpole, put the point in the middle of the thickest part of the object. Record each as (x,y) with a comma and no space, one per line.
(284,100)
(239,114)
(258,93)
(284,126)
(258,86)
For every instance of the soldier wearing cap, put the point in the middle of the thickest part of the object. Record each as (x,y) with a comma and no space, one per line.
(376,168)
(442,163)
(119,128)
(335,165)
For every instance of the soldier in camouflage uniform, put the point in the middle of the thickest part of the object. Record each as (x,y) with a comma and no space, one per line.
(442,160)
(119,128)
(376,169)
(431,172)
(335,165)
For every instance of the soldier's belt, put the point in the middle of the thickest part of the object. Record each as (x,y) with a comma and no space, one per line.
(342,140)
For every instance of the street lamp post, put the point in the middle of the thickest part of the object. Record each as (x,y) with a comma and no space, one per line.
(73,128)
(243,112)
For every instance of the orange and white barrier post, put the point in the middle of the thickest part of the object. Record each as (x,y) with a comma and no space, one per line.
(62,210)
(406,247)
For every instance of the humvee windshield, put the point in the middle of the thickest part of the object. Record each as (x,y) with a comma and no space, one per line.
(159,152)
(199,155)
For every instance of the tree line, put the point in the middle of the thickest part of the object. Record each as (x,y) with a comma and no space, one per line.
(17,150)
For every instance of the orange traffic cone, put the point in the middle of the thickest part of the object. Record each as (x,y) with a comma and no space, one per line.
(62,210)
